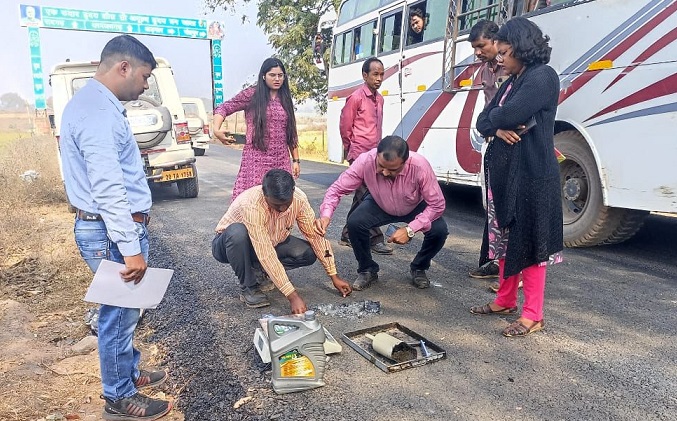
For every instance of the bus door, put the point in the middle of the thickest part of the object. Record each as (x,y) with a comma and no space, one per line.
(390,41)
(457,144)
(425,27)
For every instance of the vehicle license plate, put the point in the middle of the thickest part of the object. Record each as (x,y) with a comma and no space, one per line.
(172,175)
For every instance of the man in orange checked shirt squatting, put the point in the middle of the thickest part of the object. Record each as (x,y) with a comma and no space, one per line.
(254,238)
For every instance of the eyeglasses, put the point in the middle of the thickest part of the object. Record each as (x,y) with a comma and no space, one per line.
(276,75)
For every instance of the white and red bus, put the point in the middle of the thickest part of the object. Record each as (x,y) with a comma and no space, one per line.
(617,61)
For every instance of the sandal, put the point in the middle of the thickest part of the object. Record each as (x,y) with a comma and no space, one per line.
(486,309)
(518,328)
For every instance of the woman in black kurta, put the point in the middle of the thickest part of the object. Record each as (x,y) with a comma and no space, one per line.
(524,208)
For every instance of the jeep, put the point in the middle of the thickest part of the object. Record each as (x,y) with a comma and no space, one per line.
(156,118)
(198,124)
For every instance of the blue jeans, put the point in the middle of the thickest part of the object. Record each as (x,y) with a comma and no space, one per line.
(118,358)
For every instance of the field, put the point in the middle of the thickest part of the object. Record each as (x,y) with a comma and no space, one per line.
(312,131)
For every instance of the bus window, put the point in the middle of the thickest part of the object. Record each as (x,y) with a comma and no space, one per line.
(348,52)
(474,15)
(390,33)
(339,48)
(427,21)
(352,9)
(538,4)
(364,6)
(418,23)
(347,12)
(525,6)
(365,40)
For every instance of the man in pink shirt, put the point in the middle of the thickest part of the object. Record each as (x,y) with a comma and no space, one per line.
(360,126)
(402,188)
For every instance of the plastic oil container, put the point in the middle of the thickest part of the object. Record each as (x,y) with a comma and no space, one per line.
(297,352)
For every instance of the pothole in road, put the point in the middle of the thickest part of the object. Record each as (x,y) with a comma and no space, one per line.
(357,309)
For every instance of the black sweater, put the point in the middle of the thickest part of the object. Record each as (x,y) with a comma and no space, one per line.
(524,177)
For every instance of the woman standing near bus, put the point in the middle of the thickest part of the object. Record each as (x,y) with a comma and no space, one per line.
(271,126)
(524,208)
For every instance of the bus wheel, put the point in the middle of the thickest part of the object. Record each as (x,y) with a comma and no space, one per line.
(587,222)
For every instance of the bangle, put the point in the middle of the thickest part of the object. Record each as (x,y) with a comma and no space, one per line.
(298,161)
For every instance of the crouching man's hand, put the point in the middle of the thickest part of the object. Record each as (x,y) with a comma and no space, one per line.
(298,306)
(321,225)
(341,285)
(399,237)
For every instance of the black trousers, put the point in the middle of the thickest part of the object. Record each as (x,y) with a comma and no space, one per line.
(375,233)
(368,215)
(233,246)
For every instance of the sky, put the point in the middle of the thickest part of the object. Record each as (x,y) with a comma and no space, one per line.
(244,46)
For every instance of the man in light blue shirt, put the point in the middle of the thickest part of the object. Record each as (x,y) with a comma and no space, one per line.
(106,183)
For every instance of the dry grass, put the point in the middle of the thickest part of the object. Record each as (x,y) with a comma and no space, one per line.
(42,282)
(25,205)
(313,145)
(40,268)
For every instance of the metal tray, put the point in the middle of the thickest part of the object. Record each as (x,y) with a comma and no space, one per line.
(360,343)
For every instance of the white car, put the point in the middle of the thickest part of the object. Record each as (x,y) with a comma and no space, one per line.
(198,124)
(156,118)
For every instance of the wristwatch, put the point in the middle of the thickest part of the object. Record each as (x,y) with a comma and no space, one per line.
(410,232)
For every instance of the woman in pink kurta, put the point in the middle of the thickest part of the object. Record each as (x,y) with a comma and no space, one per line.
(271,126)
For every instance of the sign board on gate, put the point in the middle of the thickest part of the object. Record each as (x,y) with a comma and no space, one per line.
(126,23)
(35,17)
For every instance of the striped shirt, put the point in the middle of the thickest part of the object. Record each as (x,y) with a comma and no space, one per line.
(267,228)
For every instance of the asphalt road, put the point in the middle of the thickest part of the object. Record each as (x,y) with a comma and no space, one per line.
(608,351)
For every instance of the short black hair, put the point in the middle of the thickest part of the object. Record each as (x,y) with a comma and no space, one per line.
(366,66)
(417,12)
(278,184)
(483,29)
(528,43)
(126,47)
(393,147)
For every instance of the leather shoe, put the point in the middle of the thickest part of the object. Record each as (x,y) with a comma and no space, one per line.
(487,271)
(254,298)
(382,248)
(419,279)
(364,280)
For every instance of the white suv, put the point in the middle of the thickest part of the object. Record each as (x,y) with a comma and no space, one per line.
(198,124)
(157,120)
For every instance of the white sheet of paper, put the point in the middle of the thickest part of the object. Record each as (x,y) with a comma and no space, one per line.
(109,288)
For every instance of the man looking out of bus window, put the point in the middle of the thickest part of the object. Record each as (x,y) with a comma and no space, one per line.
(491,75)
(417,23)
(361,126)
(402,188)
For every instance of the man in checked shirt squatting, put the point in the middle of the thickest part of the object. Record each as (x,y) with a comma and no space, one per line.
(254,238)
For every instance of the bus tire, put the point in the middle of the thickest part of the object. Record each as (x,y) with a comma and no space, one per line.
(587,221)
(189,187)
